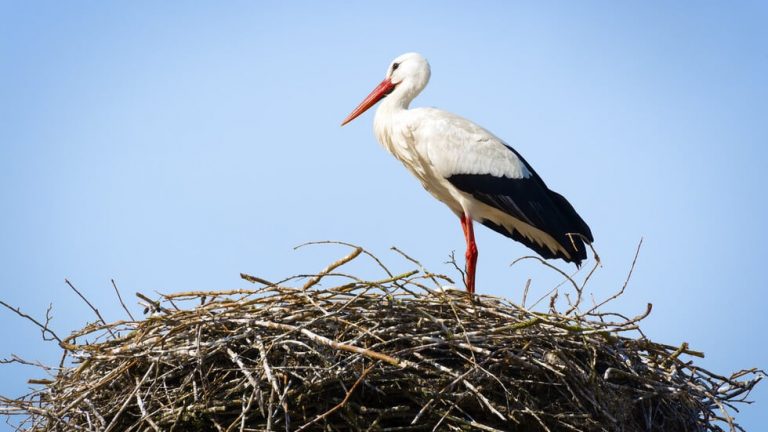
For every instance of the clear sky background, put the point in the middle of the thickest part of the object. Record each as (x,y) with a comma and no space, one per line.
(173,145)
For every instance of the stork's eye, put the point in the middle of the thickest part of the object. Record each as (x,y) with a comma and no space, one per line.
(395,66)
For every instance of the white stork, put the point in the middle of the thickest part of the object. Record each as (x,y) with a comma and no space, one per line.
(477,175)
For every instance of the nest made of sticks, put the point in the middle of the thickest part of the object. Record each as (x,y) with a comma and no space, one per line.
(397,354)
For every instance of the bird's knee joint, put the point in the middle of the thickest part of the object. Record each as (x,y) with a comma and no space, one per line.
(471,253)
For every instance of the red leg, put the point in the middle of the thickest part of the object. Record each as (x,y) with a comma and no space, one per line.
(471,255)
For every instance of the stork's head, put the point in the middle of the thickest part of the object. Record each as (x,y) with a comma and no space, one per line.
(406,77)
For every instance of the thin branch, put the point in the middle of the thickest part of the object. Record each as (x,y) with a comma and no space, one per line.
(626,281)
(122,303)
(93,308)
(370,255)
(43,327)
(333,266)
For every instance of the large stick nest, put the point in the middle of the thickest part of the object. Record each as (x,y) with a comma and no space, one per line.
(388,355)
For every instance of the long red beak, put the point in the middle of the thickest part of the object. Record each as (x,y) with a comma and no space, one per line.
(376,95)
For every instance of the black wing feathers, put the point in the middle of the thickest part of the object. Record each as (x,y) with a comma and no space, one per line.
(530,201)
(577,223)
(543,251)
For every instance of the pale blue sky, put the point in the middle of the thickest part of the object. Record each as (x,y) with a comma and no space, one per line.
(173,145)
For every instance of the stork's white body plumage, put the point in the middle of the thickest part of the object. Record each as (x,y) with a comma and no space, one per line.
(473,172)
(435,145)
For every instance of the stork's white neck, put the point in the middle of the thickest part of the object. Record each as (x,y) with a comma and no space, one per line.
(384,120)
(401,97)
(391,120)
(392,104)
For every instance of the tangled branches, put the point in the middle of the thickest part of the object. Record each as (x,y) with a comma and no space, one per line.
(397,354)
